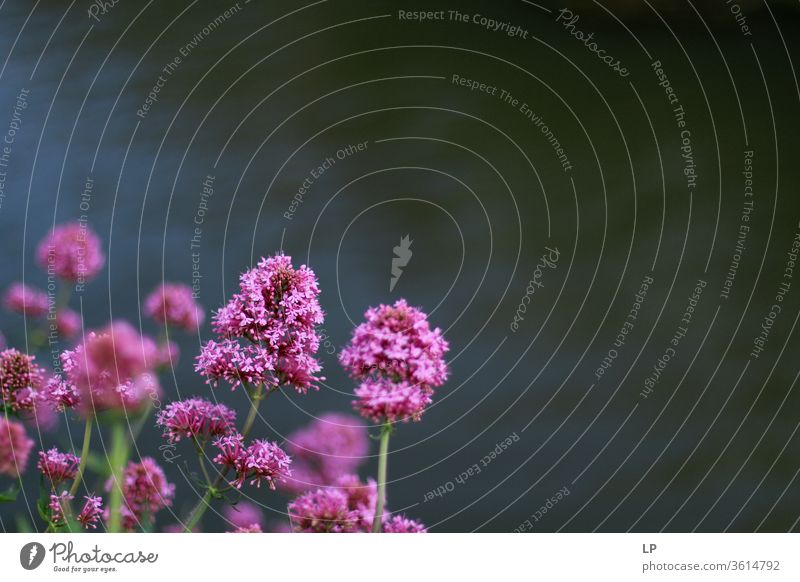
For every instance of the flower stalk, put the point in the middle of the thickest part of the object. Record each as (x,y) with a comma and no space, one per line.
(383,460)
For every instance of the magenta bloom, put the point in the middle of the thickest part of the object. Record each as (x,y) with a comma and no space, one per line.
(251,528)
(195,417)
(91,513)
(361,499)
(174,304)
(58,466)
(72,252)
(27,300)
(167,354)
(383,401)
(262,460)
(276,311)
(56,505)
(68,323)
(331,445)
(20,379)
(112,369)
(401,524)
(243,515)
(146,491)
(323,511)
(15,447)
(60,393)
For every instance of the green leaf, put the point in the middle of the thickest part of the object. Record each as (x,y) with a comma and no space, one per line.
(9,495)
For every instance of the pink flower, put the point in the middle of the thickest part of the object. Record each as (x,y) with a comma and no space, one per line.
(396,342)
(145,490)
(20,378)
(60,393)
(361,499)
(262,460)
(323,511)
(167,354)
(277,311)
(68,323)
(251,528)
(112,369)
(56,505)
(27,300)
(384,401)
(174,304)
(15,448)
(72,252)
(91,513)
(195,417)
(401,524)
(243,514)
(331,445)
(58,466)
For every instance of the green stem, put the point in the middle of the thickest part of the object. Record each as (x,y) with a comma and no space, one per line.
(383,459)
(255,401)
(201,456)
(87,439)
(118,460)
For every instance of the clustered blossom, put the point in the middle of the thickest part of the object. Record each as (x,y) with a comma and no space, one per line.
(58,466)
(174,304)
(195,418)
(167,354)
(91,513)
(262,460)
(145,490)
(24,299)
(276,313)
(20,379)
(331,445)
(322,511)
(399,359)
(243,515)
(60,393)
(251,528)
(401,524)
(110,369)
(56,505)
(15,447)
(72,252)
(68,323)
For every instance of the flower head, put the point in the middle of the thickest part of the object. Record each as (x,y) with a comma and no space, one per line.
(323,511)
(401,524)
(20,379)
(68,323)
(262,460)
(361,499)
(60,393)
(145,490)
(331,445)
(27,300)
(195,417)
(174,304)
(91,513)
(15,447)
(72,252)
(251,528)
(384,401)
(57,504)
(243,514)
(58,466)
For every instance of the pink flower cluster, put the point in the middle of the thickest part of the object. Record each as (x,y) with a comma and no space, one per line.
(88,517)
(145,490)
(174,304)
(24,299)
(276,312)
(72,252)
(399,359)
(58,466)
(332,445)
(15,447)
(20,380)
(262,460)
(195,418)
(243,516)
(111,369)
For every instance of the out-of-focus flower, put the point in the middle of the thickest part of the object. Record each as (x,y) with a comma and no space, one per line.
(27,300)
(68,323)
(382,400)
(323,511)
(361,499)
(174,304)
(58,466)
(91,513)
(332,445)
(112,369)
(42,418)
(195,417)
(262,460)
(168,354)
(277,311)
(20,379)
(145,490)
(72,251)
(15,447)
(401,524)
(252,528)
(243,514)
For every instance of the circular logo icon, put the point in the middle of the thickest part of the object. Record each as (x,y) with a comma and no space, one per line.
(31,555)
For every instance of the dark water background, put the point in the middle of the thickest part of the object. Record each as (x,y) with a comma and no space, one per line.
(269,95)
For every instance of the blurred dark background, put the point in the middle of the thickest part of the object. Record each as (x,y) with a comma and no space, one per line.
(276,88)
